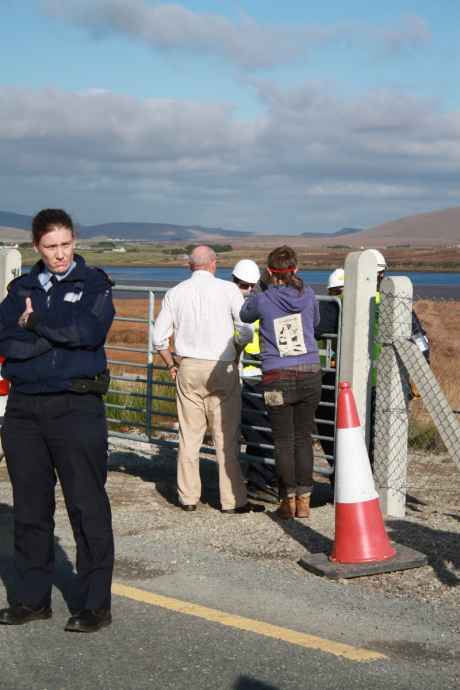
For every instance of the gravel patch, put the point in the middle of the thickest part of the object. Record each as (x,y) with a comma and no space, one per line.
(142,490)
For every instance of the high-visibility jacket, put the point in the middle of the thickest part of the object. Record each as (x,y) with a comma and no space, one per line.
(252,352)
(376,346)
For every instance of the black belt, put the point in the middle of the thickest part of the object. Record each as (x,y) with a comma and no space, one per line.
(98,384)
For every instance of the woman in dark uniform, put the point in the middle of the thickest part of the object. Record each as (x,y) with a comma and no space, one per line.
(53,325)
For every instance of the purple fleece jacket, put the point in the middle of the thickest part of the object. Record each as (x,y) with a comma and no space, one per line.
(287,324)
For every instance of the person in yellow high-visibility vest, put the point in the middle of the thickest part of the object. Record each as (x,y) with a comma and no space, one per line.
(262,484)
(419,336)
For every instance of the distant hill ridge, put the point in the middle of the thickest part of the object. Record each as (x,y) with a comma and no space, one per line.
(156,231)
(432,229)
(15,220)
(337,233)
(131,231)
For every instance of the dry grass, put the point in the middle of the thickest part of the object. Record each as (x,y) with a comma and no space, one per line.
(441,320)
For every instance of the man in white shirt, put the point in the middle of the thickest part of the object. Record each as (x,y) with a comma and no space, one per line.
(203,315)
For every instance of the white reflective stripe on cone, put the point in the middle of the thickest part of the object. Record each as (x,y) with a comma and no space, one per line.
(354,482)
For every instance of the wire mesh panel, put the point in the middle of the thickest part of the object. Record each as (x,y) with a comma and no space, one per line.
(411,406)
(433,396)
(389,408)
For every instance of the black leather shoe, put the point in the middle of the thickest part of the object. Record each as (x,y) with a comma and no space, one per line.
(188,508)
(248,508)
(20,614)
(88,621)
(265,494)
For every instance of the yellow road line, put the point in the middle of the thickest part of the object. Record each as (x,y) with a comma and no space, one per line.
(259,627)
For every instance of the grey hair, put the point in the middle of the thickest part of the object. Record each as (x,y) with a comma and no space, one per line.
(201,257)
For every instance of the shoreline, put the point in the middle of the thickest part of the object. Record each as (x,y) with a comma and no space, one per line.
(225,264)
(423,291)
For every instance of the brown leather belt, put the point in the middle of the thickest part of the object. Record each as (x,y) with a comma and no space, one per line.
(291,373)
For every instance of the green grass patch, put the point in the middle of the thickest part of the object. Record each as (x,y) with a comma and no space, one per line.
(424,436)
(127,405)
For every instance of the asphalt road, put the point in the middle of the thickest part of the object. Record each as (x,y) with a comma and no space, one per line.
(169,645)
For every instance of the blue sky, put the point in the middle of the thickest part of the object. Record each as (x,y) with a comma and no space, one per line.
(264,116)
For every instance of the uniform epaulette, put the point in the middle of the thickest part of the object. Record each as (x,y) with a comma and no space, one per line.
(12,282)
(106,275)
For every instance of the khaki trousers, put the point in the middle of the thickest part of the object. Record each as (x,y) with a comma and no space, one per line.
(208,394)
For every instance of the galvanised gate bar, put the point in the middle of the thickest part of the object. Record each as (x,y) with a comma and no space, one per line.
(140,403)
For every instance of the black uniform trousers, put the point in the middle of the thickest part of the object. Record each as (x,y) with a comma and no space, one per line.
(50,436)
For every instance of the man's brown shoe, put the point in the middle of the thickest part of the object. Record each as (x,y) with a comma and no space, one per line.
(302,506)
(20,614)
(287,508)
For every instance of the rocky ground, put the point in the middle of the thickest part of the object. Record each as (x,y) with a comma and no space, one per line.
(141,486)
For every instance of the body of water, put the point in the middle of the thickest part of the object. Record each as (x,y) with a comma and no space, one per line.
(431,285)
(172,275)
(169,275)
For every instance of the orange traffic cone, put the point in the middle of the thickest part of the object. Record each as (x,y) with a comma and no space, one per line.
(360,535)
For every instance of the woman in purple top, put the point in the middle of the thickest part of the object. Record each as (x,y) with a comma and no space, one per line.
(288,312)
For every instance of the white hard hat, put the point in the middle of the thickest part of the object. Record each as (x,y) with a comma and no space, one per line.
(336,279)
(247,270)
(381,261)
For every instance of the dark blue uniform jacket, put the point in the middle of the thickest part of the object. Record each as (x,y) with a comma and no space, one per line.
(65,335)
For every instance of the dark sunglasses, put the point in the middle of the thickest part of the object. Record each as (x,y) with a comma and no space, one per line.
(242,285)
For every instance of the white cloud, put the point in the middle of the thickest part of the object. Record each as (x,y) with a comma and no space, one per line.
(311,161)
(247,43)
(412,33)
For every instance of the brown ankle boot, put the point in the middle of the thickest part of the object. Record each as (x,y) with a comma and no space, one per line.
(302,506)
(287,508)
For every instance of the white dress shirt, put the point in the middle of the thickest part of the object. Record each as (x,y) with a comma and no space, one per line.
(203,315)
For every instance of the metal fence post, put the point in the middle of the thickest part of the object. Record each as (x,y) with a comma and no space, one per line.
(357,330)
(149,383)
(10,267)
(391,408)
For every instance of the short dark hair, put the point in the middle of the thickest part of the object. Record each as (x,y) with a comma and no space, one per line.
(48,217)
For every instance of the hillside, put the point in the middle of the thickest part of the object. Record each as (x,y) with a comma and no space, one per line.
(331,235)
(437,228)
(431,229)
(8,234)
(156,232)
(144,232)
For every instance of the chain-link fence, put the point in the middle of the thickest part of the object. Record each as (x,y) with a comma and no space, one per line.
(415,392)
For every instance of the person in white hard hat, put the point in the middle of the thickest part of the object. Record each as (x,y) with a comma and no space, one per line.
(246,274)
(418,335)
(336,282)
(261,479)
(381,266)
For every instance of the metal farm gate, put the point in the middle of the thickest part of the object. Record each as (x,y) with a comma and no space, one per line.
(140,403)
